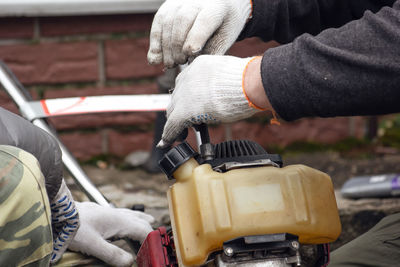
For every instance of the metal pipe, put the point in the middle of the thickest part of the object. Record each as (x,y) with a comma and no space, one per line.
(15,90)
(81,179)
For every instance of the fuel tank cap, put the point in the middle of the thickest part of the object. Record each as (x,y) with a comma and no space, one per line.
(175,158)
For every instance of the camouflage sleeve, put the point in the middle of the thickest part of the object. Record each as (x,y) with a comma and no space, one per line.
(16,131)
(25,225)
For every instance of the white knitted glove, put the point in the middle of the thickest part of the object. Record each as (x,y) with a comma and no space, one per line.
(207,91)
(99,224)
(181,29)
(64,221)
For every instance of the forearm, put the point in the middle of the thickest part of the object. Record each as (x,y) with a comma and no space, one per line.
(253,85)
(284,20)
(353,70)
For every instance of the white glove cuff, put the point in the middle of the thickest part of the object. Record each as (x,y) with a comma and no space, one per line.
(229,96)
(246,8)
(65,221)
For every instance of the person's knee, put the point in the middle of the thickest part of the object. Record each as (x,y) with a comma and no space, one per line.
(25,220)
(377,247)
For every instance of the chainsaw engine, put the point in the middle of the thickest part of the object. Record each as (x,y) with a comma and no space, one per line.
(233,204)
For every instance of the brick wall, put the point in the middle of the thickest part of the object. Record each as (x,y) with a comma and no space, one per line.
(97,55)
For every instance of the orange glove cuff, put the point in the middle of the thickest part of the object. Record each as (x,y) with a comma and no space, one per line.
(274,120)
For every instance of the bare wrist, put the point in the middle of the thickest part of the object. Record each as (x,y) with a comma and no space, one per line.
(253,86)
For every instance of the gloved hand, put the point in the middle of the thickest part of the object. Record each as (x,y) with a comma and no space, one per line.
(184,28)
(209,90)
(99,224)
(65,221)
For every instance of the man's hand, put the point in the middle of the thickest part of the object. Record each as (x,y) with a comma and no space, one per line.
(186,28)
(99,224)
(210,90)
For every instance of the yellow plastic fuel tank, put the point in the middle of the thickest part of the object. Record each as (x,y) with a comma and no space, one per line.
(208,207)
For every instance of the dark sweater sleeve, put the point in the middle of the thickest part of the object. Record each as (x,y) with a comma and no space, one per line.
(18,132)
(352,70)
(284,20)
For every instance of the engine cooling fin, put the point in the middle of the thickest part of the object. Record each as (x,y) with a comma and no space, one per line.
(242,151)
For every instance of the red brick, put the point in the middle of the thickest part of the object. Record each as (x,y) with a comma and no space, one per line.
(103,120)
(13,28)
(83,145)
(60,26)
(87,145)
(250,47)
(128,59)
(322,130)
(52,62)
(121,144)
(7,103)
(359,126)
(10,106)
(143,88)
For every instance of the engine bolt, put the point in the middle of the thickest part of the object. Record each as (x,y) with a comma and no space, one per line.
(228,251)
(295,244)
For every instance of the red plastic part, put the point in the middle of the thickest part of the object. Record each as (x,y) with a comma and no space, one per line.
(154,252)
